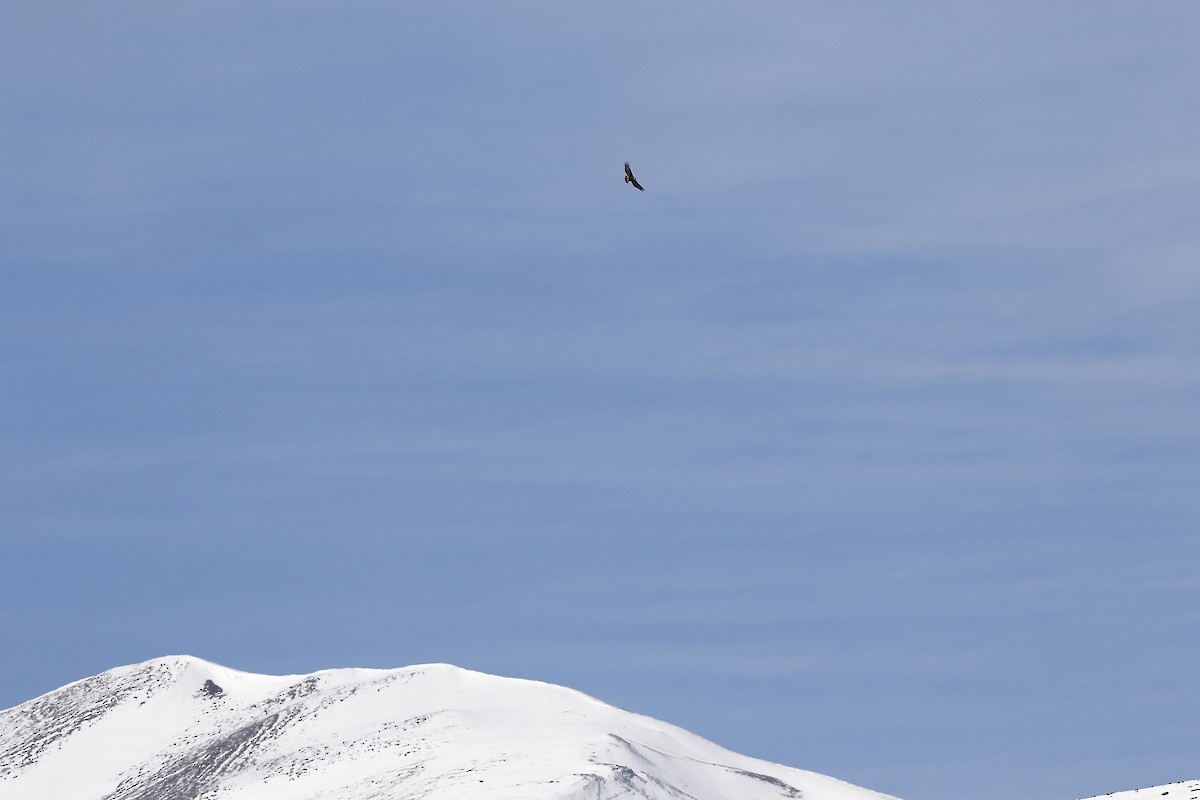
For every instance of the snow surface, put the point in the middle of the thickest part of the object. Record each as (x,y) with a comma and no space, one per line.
(1183,790)
(180,728)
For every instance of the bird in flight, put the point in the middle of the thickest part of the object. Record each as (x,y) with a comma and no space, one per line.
(630,179)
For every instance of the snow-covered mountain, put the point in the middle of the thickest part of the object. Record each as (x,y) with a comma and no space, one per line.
(180,728)
(1182,790)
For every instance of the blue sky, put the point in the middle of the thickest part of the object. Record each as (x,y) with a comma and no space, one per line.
(866,440)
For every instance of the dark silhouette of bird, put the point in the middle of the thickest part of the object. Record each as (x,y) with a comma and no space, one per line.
(630,179)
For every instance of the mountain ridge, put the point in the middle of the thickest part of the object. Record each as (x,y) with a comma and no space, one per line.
(1179,790)
(182,728)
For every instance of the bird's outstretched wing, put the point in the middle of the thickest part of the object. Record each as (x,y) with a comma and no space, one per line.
(630,179)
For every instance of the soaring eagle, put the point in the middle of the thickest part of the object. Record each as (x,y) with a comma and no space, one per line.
(630,179)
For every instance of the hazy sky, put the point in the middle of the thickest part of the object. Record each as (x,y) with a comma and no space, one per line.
(866,440)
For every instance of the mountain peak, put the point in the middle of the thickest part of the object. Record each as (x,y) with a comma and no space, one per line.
(177,727)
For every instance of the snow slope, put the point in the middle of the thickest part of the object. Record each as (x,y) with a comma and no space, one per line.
(180,728)
(1183,790)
